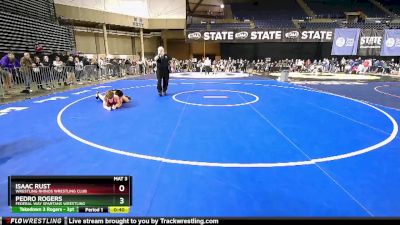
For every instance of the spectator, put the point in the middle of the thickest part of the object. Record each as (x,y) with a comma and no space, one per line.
(127,66)
(26,71)
(115,67)
(342,64)
(47,71)
(58,66)
(78,69)
(95,63)
(70,67)
(38,49)
(103,68)
(96,68)
(9,65)
(38,73)
(141,66)
(207,65)
(85,61)
(46,61)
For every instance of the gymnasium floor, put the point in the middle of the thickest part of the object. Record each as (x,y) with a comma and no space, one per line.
(223,147)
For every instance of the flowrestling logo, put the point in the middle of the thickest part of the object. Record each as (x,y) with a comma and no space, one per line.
(292,34)
(194,36)
(241,35)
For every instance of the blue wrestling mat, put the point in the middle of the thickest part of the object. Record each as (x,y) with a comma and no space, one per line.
(254,148)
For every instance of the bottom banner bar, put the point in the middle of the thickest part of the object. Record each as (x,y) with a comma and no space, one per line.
(178,220)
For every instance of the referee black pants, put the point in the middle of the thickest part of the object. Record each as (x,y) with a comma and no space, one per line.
(162,82)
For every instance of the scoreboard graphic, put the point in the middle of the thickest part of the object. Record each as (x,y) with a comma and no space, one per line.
(70,194)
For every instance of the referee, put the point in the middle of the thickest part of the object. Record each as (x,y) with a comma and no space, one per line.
(163,68)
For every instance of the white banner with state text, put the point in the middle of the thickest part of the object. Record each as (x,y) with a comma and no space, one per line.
(278,35)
